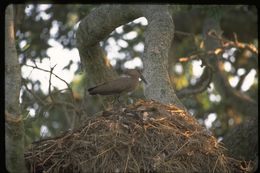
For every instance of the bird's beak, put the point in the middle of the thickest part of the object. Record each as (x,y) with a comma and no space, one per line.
(143,79)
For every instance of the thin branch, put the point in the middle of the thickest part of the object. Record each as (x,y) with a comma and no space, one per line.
(32,93)
(184,33)
(76,109)
(226,44)
(236,43)
(201,85)
(242,79)
(201,55)
(235,38)
(48,71)
(49,88)
(55,92)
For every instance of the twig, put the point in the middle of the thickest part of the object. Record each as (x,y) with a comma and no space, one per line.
(127,159)
(67,104)
(242,79)
(235,38)
(201,55)
(235,43)
(36,67)
(184,33)
(32,92)
(49,156)
(49,88)
(201,85)
(59,161)
(181,147)
(55,92)
(226,44)
(215,165)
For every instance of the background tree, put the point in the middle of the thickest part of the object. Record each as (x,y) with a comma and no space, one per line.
(231,40)
(14,127)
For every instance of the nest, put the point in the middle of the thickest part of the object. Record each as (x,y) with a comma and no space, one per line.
(143,137)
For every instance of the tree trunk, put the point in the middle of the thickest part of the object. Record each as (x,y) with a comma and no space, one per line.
(158,37)
(14,130)
(103,20)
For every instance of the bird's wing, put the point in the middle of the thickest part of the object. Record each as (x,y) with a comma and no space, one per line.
(113,87)
(92,88)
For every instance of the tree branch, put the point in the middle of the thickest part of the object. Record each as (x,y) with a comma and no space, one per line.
(103,20)
(201,85)
(51,73)
(93,29)
(236,43)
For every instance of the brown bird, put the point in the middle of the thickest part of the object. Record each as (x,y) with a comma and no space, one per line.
(120,85)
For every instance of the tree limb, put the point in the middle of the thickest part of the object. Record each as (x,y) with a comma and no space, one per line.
(159,33)
(201,85)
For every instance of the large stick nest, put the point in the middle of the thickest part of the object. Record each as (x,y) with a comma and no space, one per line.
(143,137)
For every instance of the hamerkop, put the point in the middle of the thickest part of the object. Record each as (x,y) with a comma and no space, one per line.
(120,85)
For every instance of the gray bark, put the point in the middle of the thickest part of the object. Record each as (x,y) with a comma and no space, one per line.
(158,37)
(103,20)
(14,130)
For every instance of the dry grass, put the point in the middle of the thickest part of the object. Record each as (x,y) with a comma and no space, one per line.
(143,137)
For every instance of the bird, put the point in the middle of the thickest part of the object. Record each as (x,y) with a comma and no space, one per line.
(120,85)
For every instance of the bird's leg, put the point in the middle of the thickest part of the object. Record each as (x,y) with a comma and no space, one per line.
(118,104)
(116,98)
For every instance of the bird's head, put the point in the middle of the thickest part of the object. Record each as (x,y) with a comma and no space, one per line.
(135,73)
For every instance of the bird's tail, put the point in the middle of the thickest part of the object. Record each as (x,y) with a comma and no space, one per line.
(91,90)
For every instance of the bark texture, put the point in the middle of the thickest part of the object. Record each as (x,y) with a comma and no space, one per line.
(103,20)
(242,141)
(14,130)
(158,37)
